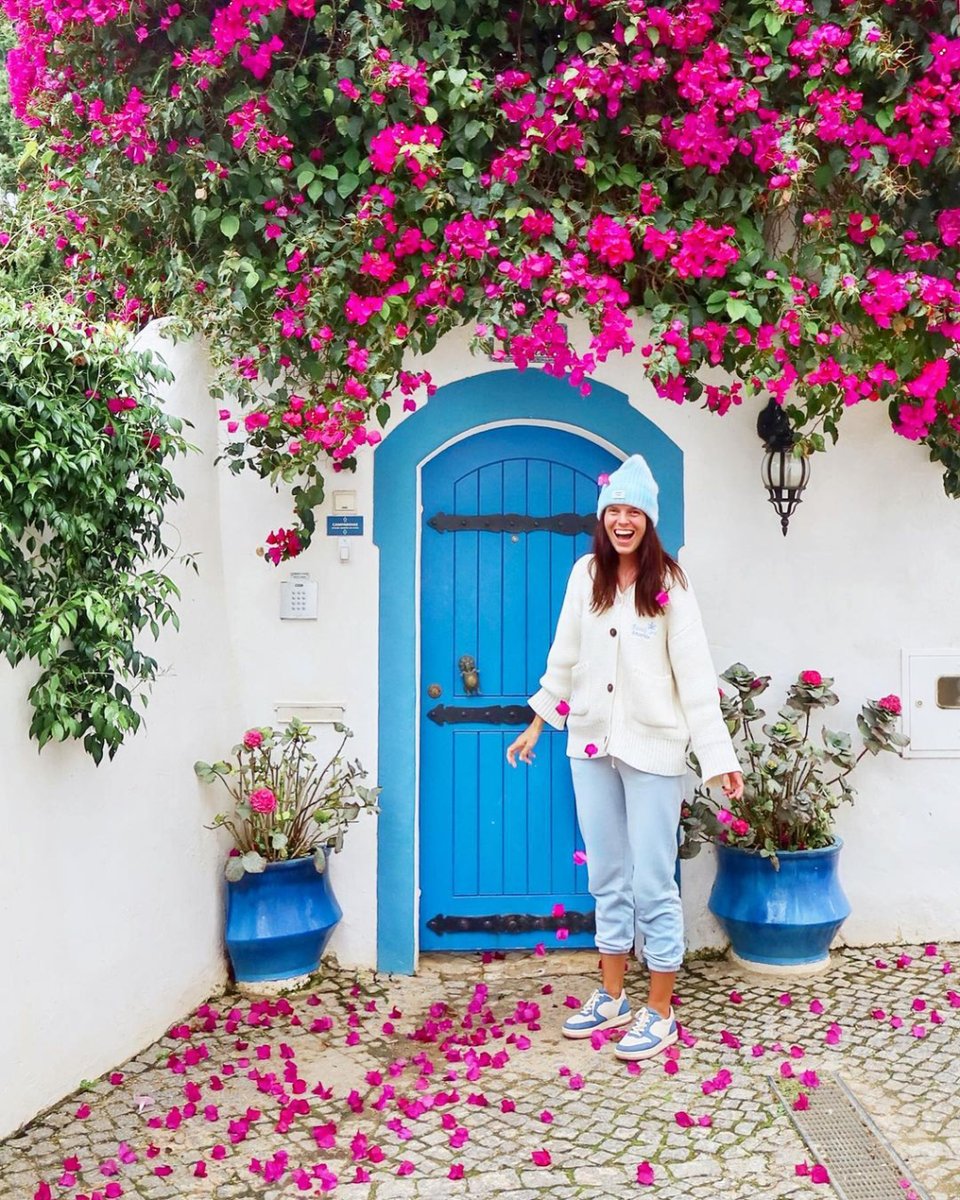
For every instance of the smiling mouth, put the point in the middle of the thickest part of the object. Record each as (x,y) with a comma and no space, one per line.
(624,535)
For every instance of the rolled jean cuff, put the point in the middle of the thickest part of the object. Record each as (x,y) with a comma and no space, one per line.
(608,950)
(666,970)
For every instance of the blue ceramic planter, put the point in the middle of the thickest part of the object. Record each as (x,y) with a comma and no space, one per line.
(779,918)
(279,922)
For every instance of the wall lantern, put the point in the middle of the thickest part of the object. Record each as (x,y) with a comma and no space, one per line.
(784,474)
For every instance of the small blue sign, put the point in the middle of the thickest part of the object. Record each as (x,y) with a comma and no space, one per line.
(344,526)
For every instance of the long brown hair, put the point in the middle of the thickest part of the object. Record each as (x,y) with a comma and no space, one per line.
(656,571)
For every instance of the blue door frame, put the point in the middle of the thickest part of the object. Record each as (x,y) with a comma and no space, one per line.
(491,398)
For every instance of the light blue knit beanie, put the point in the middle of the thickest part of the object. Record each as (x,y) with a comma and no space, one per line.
(632,484)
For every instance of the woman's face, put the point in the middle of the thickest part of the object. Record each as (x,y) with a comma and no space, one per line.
(625,527)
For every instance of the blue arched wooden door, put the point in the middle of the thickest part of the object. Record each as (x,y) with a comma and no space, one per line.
(497,843)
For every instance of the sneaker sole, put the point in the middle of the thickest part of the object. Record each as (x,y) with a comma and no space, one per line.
(651,1052)
(613,1023)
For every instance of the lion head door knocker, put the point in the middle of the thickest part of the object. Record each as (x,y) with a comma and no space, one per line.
(469,673)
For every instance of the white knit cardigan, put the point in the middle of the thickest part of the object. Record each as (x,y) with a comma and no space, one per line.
(640,689)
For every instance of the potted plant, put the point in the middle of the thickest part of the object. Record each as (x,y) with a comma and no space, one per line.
(289,813)
(777,893)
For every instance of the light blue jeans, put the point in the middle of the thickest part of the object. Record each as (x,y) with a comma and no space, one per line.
(628,819)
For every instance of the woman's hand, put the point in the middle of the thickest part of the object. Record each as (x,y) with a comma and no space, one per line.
(522,747)
(733,785)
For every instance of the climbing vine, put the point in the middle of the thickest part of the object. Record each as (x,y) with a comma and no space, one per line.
(85,450)
(323,189)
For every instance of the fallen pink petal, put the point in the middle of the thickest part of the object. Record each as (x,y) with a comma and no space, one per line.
(819,1174)
(645,1174)
(541,1158)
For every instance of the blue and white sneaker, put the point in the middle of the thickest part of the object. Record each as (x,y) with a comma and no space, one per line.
(601,1011)
(649,1035)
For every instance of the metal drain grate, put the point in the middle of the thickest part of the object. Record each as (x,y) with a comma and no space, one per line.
(841,1135)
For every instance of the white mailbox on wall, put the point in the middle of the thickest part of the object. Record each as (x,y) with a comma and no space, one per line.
(931,703)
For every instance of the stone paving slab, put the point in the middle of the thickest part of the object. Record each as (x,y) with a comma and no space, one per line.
(392,1081)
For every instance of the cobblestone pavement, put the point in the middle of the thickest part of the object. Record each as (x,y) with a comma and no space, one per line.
(406,1084)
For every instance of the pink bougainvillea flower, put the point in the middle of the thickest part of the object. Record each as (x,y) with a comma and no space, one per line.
(116,1078)
(540,950)
(507,1106)
(918,1004)
(645,1174)
(903,961)
(361,1176)
(546,1116)
(563,708)
(541,1158)
(816,1007)
(671,1066)
(785,999)
(705,1120)
(558,910)
(819,1174)
(811,678)
(736,998)
(575,1082)
(571,1002)
(880,964)
(406,1167)
(82,1112)
(802,1102)
(833,1035)
(683,1119)
(579,857)
(663,598)
(729,1039)
(562,934)
(590,750)
(603,480)
(456,1171)
(931,951)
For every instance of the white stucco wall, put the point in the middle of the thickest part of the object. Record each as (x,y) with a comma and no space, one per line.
(110,903)
(110,891)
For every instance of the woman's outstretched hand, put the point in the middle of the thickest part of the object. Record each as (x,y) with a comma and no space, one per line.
(522,747)
(733,785)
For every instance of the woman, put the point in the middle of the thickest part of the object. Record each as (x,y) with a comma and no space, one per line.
(630,675)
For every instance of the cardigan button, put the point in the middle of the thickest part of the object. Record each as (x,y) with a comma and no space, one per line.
(609,687)
(613,633)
